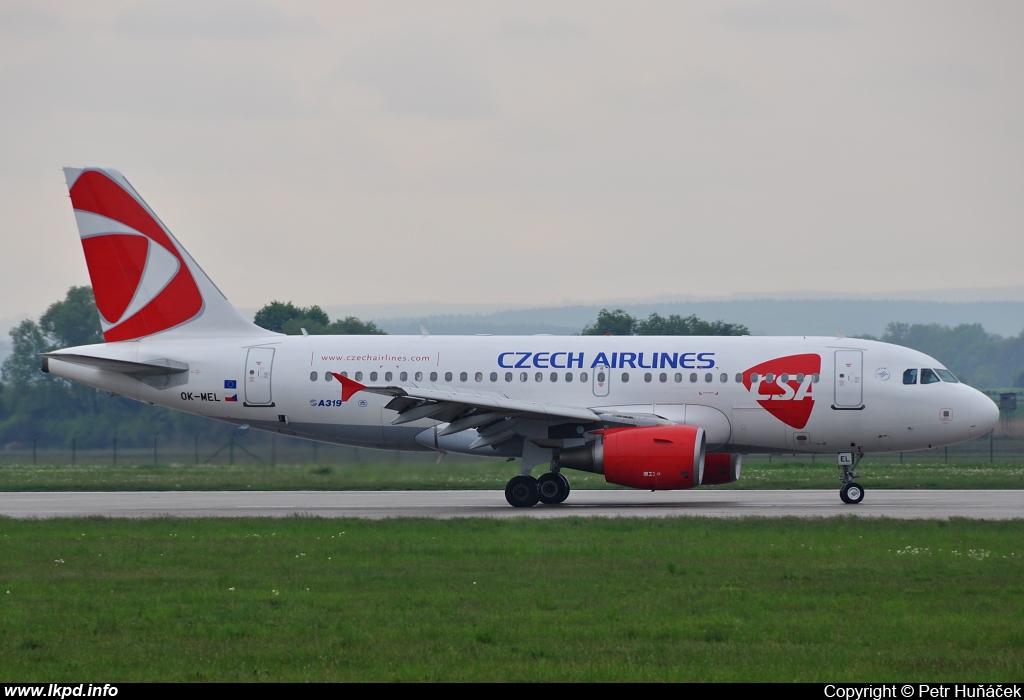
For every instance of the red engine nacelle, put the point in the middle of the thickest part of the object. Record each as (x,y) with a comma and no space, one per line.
(721,469)
(658,457)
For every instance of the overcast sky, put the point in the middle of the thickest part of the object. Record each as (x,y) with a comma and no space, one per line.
(518,152)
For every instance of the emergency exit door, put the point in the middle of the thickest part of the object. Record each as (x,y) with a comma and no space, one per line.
(258,370)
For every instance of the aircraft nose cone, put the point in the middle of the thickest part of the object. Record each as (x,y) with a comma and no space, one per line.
(984,414)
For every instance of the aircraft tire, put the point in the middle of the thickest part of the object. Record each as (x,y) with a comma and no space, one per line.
(852,493)
(553,488)
(522,492)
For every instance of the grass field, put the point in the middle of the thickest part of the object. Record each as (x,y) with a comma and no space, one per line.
(475,474)
(563,600)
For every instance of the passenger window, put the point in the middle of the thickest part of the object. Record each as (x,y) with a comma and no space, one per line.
(494,376)
(678,377)
(693,377)
(373,376)
(929,377)
(447,376)
(709,377)
(815,377)
(663,377)
(404,376)
(433,376)
(600,376)
(479,376)
(312,376)
(739,377)
(769,377)
(508,376)
(647,377)
(359,376)
(625,377)
(724,378)
(539,376)
(753,377)
(419,376)
(554,376)
(910,376)
(784,378)
(583,376)
(328,377)
(463,376)
(800,377)
(568,376)
(388,376)
(523,376)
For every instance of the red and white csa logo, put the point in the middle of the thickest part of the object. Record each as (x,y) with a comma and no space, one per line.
(141,282)
(783,387)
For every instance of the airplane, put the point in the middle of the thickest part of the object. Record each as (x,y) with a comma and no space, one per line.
(646,412)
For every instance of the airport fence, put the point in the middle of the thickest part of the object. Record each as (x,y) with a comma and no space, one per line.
(1004,445)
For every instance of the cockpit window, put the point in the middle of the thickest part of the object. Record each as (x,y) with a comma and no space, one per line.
(928,376)
(947,376)
(910,376)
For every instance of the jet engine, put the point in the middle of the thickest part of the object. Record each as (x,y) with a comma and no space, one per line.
(657,457)
(721,469)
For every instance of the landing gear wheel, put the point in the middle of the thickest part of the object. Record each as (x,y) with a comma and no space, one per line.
(553,488)
(522,492)
(851,493)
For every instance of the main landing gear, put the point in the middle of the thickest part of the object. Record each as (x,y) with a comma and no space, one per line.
(850,492)
(524,491)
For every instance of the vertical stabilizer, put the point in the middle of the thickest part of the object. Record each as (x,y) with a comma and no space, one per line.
(144,281)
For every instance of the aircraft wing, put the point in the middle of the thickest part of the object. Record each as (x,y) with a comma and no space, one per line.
(496,418)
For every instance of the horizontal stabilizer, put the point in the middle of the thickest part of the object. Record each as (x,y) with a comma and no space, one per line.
(159,374)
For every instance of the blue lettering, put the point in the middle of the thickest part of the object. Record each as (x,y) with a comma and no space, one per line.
(640,361)
(523,360)
(615,360)
(577,360)
(708,358)
(501,360)
(629,357)
(553,363)
(321,402)
(541,357)
(601,360)
(668,360)
(686,360)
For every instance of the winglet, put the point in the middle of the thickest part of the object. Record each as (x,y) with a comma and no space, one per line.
(349,387)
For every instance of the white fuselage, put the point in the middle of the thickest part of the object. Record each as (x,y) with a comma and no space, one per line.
(749,394)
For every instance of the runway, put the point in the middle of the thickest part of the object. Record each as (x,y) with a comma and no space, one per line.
(374,505)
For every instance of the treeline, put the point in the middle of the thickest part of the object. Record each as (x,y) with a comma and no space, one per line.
(40,408)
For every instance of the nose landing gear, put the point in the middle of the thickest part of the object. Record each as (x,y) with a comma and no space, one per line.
(850,493)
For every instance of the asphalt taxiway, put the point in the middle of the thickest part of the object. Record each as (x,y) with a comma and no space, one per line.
(917,504)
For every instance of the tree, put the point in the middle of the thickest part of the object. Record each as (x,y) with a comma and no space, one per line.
(73,321)
(350,325)
(285,317)
(619,322)
(22,366)
(616,322)
(691,325)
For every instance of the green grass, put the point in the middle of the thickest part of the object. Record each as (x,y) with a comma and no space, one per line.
(757,473)
(512,600)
